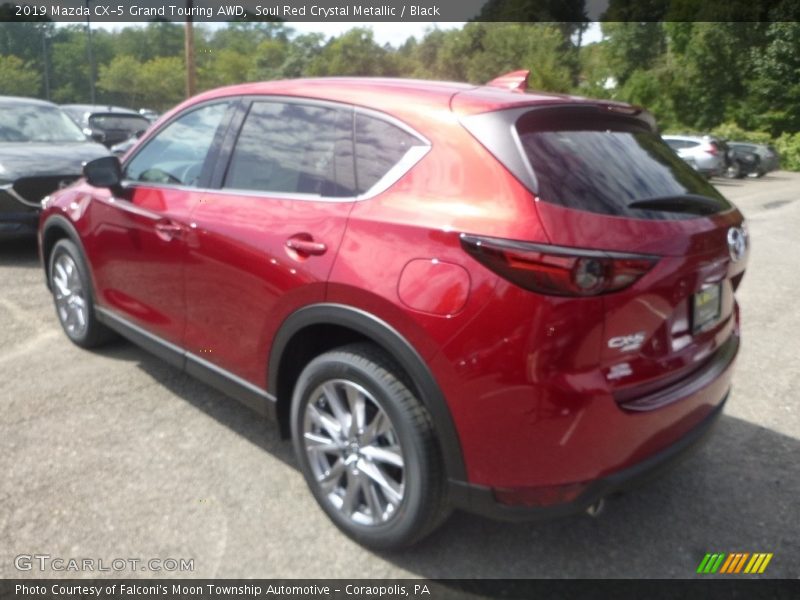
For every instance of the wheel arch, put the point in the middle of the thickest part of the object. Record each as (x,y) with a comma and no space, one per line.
(56,228)
(354,324)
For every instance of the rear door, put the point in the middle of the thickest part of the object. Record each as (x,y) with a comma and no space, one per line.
(264,240)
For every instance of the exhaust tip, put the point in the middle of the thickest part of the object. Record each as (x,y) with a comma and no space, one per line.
(595,509)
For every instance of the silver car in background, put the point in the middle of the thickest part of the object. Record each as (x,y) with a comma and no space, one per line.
(705,154)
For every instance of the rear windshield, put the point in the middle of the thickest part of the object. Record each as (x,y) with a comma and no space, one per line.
(606,167)
(129,123)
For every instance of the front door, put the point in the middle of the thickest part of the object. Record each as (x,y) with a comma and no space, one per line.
(138,242)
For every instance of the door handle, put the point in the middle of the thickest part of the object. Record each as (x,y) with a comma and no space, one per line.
(306,247)
(167,230)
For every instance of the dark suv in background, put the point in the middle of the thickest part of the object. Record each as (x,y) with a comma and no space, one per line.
(41,150)
(108,125)
(447,295)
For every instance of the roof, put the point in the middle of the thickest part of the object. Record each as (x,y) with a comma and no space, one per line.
(100,108)
(27,101)
(395,94)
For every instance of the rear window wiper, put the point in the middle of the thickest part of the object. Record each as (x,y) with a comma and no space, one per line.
(689,203)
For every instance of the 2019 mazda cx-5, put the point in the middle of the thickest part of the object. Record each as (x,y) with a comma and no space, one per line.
(447,295)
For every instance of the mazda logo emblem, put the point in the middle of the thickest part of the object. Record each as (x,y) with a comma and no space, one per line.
(737,243)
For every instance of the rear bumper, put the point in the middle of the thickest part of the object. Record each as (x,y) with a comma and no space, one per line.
(481,500)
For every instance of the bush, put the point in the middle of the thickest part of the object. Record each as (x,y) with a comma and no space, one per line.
(788,145)
(734,133)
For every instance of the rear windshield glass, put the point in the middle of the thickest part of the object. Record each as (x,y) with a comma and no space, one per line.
(129,123)
(616,167)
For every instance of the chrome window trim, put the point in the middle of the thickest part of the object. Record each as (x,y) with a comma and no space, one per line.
(412,156)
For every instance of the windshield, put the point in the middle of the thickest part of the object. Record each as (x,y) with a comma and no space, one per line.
(31,123)
(609,167)
(129,123)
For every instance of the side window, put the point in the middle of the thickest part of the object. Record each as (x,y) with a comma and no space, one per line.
(379,147)
(176,154)
(294,149)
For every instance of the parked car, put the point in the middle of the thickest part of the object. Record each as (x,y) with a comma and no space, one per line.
(121,148)
(41,150)
(705,154)
(742,162)
(768,157)
(446,295)
(149,114)
(108,125)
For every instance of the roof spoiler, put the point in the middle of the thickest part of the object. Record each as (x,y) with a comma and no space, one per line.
(516,81)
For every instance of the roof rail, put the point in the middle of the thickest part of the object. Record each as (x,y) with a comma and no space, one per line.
(516,81)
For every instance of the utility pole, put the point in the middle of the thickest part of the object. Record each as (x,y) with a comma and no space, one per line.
(46,62)
(188,40)
(90,55)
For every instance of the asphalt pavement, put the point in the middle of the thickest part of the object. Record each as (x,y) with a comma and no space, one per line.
(114,455)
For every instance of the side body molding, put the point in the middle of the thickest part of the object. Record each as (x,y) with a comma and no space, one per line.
(401,350)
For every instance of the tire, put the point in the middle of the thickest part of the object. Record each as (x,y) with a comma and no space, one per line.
(382,485)
(733,170)
(73,297)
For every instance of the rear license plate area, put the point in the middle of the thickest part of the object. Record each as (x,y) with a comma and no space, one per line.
(706,307)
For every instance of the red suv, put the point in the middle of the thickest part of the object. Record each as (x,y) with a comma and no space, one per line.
(446,295)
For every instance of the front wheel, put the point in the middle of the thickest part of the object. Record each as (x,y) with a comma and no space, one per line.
(72,294)
(367,448)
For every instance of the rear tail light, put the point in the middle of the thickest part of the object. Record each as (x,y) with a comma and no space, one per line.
(555,270)
(711,148)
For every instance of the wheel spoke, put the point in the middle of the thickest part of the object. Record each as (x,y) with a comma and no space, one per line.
(322,420)
(357,410)
(389,454)
(337,406)
(373,501)
(391,489)
(350,495)
(377,427)
(319,443)
(331,477)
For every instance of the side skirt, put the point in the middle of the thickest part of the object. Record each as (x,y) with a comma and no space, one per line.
(224,381)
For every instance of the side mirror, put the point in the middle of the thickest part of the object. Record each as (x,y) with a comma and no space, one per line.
(105,172)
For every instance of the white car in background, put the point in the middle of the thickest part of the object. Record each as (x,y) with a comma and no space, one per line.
(705,154)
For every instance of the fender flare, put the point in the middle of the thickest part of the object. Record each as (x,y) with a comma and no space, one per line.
(402,351)
(64,224)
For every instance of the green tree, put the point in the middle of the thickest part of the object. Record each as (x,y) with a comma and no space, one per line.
(355,52)
(775,86)
(507,47)
(162,82)
(122,79)
(16,79)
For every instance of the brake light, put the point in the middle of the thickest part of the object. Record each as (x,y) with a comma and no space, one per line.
(555,270)
(711,148)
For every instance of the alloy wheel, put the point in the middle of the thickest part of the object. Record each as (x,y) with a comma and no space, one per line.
(354,452)
(69,295)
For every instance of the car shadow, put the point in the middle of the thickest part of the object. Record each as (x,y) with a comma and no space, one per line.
(20,252)
(738,493)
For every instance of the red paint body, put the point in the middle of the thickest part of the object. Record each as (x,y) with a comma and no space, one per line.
(524,375)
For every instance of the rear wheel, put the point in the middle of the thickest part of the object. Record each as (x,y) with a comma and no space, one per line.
(367,448)
(72,294)
(733,170)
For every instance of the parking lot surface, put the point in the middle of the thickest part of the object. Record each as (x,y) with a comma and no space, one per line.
(114,454)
